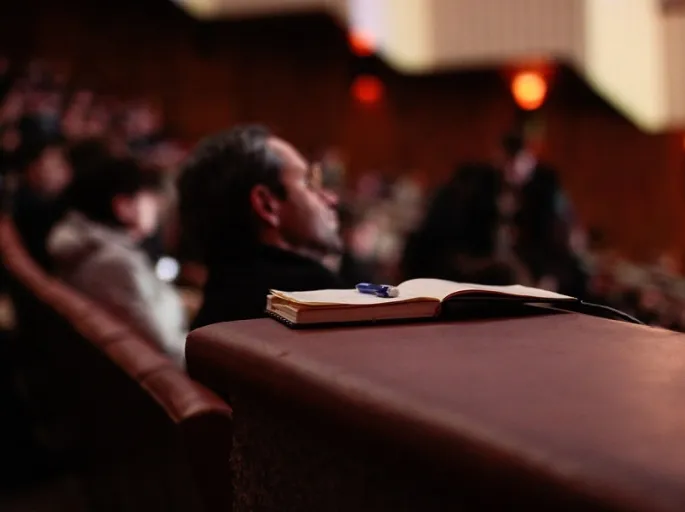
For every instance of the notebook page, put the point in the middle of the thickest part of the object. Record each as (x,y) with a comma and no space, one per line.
(441,289)
(342,298)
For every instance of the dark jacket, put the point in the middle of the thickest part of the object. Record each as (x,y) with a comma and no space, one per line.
(34,216)
(236,289)
(463,221)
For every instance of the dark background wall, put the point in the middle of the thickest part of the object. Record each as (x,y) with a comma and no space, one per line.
(294,74)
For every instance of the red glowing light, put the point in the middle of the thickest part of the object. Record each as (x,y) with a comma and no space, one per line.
(367,89)
(361,44)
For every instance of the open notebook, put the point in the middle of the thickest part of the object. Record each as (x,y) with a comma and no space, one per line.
(418,298)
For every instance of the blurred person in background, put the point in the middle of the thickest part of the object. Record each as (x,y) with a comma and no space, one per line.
(5,76)
(83,98)
(356,263)
(88,154)
(334,170)
(48,112)
(10,144)
(457,238)
(263,220)
(536,220)
(97,121)
(74,120)
(39,200)
(12,108)
(167,157)
(42,116)
(113,207)
(36,73)
(143,128)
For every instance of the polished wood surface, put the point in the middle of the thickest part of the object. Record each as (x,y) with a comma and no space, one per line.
(587,405)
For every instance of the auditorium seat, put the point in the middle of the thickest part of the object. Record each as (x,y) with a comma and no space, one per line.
(206,426)
(136,357)
(133,425)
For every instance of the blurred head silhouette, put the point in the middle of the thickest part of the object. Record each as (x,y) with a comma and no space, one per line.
(118,193)
(48,170)
(517,160)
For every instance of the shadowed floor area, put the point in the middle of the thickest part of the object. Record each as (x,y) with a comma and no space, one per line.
(63,494)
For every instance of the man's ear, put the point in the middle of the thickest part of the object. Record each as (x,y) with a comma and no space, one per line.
(265,205)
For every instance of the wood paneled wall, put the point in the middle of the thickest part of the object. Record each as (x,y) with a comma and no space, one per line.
(294,73)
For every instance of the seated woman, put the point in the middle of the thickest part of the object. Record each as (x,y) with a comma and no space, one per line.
(113,207)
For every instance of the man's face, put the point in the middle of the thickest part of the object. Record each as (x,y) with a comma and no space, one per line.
(307,216)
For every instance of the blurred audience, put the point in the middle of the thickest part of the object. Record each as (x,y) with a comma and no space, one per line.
(112,208)
(263,218)
(254,215)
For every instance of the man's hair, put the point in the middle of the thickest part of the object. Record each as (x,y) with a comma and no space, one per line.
(94,187)
(214,190)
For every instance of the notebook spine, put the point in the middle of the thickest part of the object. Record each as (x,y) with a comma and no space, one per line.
(282,320)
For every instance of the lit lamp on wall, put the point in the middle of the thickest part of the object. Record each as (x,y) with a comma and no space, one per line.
(530,85)
(367,89)
(529,89)
(361,44)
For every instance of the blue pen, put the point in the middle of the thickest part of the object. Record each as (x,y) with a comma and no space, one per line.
(379,290)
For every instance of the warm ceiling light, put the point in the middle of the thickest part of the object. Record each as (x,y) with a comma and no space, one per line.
(367,89)
(529,90)
(361,44)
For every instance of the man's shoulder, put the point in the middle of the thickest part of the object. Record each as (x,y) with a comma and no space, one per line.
(301,273)
(237,290)
(280,273)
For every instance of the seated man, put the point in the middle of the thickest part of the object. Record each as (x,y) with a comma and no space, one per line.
(262,218)
(112,207)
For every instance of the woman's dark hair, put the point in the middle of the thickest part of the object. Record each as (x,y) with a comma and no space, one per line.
(94,187)
(214,191)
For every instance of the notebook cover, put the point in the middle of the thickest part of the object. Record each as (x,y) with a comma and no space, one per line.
(462,309)
(333,325)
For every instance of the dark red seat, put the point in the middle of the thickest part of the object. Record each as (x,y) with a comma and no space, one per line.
(205,422)
(144,435)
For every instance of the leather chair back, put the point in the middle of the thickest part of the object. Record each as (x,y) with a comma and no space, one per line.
(142,433)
